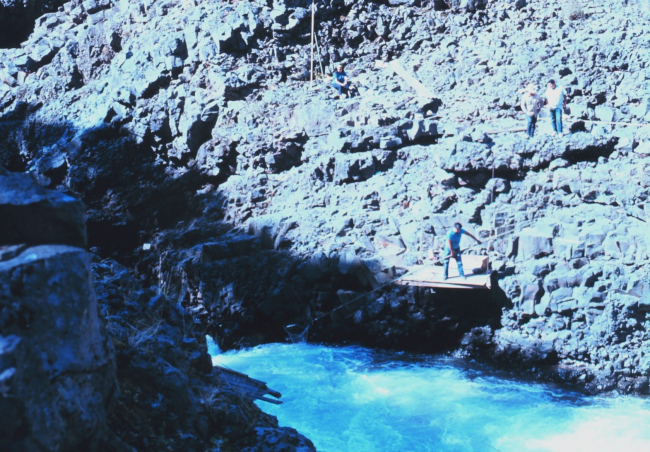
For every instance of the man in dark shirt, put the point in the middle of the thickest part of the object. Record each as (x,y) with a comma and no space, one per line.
(452,248)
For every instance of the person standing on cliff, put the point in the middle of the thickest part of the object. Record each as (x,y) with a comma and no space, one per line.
(452,249)
(556,98)
(531,104)
(341,82)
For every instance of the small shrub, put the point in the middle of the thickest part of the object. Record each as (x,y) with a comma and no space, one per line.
(138,336)
(208,396)
(574,10)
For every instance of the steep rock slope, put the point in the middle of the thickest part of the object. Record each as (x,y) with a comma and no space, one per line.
(143,381)
(17,18)
(190,126)
(57,368)
(170,396)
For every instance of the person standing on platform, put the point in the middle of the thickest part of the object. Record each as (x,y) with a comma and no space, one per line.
(452,249)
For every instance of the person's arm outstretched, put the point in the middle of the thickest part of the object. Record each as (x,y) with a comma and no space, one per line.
(467,233)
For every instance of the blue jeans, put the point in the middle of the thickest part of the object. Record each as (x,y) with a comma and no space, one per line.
(341,89)
(556,119)
(459,262)
(530,126)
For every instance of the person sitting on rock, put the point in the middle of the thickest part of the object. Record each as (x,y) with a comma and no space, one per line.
(531,104)
(341,82)
(556,101)
(452,249)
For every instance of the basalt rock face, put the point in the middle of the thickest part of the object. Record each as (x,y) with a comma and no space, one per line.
(17,18)
(210,168)
(121,371)
(170,396)
(578,277)
(57,370)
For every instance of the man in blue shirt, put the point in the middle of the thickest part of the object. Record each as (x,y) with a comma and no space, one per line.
(452,248)
(340,81)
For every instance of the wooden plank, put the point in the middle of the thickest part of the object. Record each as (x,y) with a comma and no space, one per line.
(247,386)
(433,276)
(410,80)
(441,285)
(452,283)
(516,129)
(266,399)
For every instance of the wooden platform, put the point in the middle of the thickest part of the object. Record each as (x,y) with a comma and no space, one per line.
(247,386)
(475,268)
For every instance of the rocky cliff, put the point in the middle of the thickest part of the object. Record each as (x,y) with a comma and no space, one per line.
(121,368)
(57,370)
(17,18)
(218,173)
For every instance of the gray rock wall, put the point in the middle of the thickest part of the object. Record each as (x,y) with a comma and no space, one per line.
(60,366)
(17,18)
(57,370)
(189,126)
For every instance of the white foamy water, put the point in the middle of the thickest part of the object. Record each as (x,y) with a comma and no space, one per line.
(352,399)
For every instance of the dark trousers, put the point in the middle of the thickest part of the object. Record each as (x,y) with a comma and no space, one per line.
(556,119)
(530,126)
(341,89)
(459,262)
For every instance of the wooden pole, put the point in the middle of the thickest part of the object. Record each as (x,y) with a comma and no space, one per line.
(311,71)
(414,83)
(320,60)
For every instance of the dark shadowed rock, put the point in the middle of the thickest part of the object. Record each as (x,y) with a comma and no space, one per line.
(33,215)
(56,368)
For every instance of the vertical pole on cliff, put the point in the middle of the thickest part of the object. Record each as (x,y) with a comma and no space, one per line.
(492,197)
(311,71)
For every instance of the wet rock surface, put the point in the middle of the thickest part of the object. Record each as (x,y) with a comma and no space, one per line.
(213,172)
(170,396)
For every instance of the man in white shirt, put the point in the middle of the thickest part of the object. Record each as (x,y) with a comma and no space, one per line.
(555,101)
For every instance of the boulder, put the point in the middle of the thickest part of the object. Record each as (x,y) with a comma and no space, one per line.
(353,167)
(468,5)
(31,214)
(534,243)
(605,113)
(56,362)
(643,148)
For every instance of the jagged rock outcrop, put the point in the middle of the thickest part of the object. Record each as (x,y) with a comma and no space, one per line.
(144,381)
(57,369)
(17,18)
(187,126)
(170,396)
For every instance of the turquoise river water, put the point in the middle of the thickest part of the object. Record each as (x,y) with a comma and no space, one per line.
(352,399)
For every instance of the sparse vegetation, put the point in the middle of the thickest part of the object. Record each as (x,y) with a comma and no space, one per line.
(135,336)
(208,395)
(574,10)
